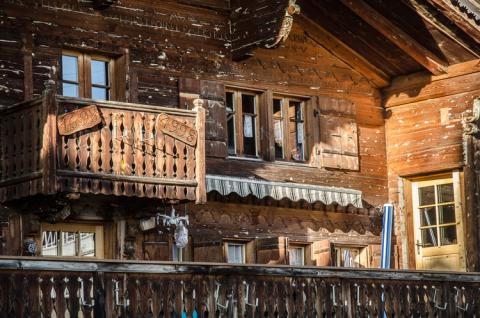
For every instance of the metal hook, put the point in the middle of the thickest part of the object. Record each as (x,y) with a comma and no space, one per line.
(457,299)
(247,296)
(82,295)
(116,292)
(435,304)
(217,294)
(334,299)
(358,294)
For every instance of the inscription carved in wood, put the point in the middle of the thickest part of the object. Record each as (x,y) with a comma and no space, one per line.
(77,120)
(177,129)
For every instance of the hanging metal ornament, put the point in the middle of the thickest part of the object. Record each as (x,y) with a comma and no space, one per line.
(180,222)
(181,235)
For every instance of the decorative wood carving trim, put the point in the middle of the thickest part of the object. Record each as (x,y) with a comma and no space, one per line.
(287,24)
(181,131)
(471,152)
(77,120)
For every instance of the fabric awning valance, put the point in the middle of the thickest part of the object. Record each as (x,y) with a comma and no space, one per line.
(279,190)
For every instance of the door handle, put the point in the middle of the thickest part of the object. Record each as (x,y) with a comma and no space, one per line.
(419,245)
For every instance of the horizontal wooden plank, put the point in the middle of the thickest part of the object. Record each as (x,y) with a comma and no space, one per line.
(26,264)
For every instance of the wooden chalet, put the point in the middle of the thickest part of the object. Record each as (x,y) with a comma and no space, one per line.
(231,158)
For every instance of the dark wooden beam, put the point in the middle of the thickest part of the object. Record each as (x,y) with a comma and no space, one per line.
(458,16)
(397,36)
(430,14)
(102,4)
(339,49)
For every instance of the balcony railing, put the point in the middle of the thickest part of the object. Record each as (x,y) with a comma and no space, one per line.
(67,288)
(57,144)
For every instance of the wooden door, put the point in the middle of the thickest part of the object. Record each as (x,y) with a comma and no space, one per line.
(438,225)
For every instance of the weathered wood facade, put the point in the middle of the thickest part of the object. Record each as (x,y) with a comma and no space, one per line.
(290,121)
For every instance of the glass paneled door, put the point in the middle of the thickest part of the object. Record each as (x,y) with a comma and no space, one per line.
(438,224)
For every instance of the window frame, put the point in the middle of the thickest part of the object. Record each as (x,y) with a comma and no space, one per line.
(297,246)
(85,84)
(286,120)
(362,255)
(77,228)
(238,117)
(235,243)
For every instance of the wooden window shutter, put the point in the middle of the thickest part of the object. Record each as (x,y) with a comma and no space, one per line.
(213,94)
(338,134)
(374,255)
(272,251)
(322,253)
(208,250)
(156,249)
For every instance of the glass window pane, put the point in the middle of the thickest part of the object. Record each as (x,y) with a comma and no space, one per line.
(50,243)
(235,253)
(277,108)
(278,134)
(248,103)
(446,213)
(296,128)
(70,68)
(429,237)
(87,244)
(296,256)
(231,134)
(448,235)
(249,143)
(428,216)
(445,193)
(426,195)
(69,244)
(99,72)
(229,102)
(99,93)
(70,90)
(176,254)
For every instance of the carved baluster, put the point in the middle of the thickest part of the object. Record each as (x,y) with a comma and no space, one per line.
(160,158)
(73,301)
(180,170)
(95,156)
(105,150)
(150,149)
(118,146)
(169,163)
(46,286)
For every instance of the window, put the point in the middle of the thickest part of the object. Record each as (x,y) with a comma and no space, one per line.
(349,256)
(72,240)
(288,127)
(296,255)
(242,123)
(436,209)
(235,253)
(177,253)
(85,75)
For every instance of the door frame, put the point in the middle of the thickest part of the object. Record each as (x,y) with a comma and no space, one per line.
(414,220)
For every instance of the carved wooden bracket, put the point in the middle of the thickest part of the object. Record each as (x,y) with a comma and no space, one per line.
(287,24)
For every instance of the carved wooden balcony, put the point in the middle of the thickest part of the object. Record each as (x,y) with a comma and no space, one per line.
(68,288)
(57,144)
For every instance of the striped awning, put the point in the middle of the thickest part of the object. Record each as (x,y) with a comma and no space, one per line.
(279,190)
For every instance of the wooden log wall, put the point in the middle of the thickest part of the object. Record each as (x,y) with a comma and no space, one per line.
(424,136)
(157,44)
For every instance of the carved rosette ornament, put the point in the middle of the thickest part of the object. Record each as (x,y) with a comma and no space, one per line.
(287,24)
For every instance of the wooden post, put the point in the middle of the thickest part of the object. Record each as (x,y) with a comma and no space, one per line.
(49,139)
(201,194)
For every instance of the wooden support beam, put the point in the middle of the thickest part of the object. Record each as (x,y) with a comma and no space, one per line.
(430,14)
(457,16)
(343,52)
(397,36)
